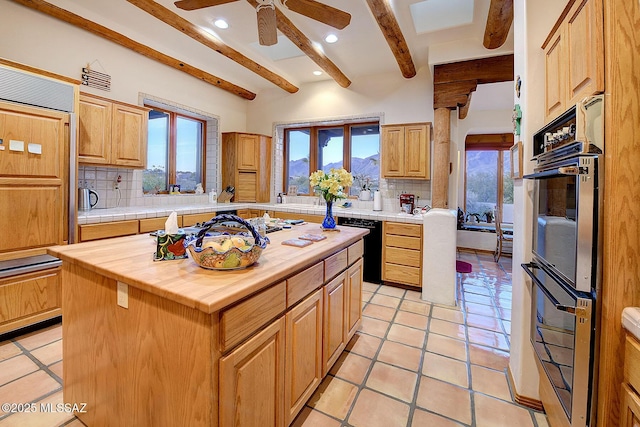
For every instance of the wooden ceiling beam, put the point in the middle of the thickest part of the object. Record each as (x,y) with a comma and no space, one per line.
(499,22)
(464,109)
(198,34)
(487,70)
(292,32)
(106,33)
(391,30)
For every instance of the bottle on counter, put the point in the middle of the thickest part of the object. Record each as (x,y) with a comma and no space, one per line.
(213,196)
(279,198)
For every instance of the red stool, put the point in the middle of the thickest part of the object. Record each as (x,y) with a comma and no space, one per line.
(463,267)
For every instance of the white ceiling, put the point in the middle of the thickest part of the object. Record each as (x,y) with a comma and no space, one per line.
(361,49)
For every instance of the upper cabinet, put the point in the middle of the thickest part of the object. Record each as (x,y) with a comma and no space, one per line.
(242,167)
(406,151)
(574,57)
(112,133)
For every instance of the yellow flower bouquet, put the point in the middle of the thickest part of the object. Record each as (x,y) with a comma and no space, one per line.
(331,185)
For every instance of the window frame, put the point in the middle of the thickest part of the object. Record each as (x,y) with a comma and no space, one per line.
(314,153)
(173,144)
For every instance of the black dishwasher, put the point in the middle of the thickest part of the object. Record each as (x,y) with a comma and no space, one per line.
(372,269)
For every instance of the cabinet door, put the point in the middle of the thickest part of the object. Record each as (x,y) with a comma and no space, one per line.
(585,50)
(393,151)
(248,147)
(252,381)
(246,187)
(353,308)
(334,322)
(555,58)
(303,371)
(129,136)
(94,136)
(416,151)
(630,414)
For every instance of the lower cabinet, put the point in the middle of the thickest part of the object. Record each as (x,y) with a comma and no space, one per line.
(630,416)
(334,322)
(353,309)
(630,399)
(402,253)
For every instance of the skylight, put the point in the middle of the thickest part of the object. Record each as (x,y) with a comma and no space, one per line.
(434,15)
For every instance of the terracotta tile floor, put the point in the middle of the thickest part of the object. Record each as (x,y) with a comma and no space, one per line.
(412,364)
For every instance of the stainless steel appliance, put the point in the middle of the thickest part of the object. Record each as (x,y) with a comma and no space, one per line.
(87,199)
(566,257)
(407,203)
(372,262)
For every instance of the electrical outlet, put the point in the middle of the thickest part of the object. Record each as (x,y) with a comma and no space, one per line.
(123,295)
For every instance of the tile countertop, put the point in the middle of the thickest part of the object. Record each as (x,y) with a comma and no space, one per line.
(96,216)
(631,320)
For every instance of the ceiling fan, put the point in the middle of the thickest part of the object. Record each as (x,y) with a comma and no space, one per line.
(266,11)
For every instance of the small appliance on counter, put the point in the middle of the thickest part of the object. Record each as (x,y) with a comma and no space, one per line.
(407,203)
(87,199)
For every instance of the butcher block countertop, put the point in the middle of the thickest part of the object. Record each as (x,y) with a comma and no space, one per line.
(130,261)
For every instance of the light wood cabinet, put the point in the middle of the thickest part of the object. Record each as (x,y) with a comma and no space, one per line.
(303,365)
(402,253)
(112,133)
(246,165)
(148,225)
(252,380)
(292,215)
(574,57)
(334,338)
(630,399)
(193,219)
(353,307)
(108,229)
(29,298)
(406,151)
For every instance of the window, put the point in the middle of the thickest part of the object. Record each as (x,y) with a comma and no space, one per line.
(488,183)
(356,147)
(175,152)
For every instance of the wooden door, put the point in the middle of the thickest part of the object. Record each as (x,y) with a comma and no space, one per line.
(334,322)
(129,136)
(630,414)
(416,151)
(246,187)
(585,50)
(248,147)
(392,151)
(555,79)
(94,131)
(303,371)
(252,381)
(353,309)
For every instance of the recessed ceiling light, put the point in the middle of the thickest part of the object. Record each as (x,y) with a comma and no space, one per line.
(221,23)
(317,73)
(331,38)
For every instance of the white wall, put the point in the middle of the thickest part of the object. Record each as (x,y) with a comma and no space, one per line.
(35,39)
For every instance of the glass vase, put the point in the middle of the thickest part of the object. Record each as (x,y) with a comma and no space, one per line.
(329,223)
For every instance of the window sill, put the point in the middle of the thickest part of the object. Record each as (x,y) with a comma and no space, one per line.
(480,227)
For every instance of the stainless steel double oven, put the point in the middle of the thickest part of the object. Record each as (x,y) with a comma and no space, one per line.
(566,256)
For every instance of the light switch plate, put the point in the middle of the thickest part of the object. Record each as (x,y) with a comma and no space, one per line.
(123,295)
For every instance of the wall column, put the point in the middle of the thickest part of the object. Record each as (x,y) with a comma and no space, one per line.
(442,142)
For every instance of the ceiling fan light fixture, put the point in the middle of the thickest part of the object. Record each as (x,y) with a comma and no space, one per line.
(221,23)
(331,38)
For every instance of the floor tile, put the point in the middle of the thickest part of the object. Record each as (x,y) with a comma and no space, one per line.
(488,357)
(49,353)
(14,368)
(366,296)
(364,345)
(491,412)
(400,355)
(413,296)
(484,310)
(351,367)
(484,322)
(28,388)
(393,381)
(488,338)
(42,418)
(414,320)
(311,418)
(478,299)
(450,329)
(376,410)
(446,369)
(334,397)
(445,399)
(379,312)
(391,291)
(56,368)
(427,419)
(418,307)
(490,382)
(447,347)
(370,287)
(39,338)
(374,327)
(406,335)
(75,423)
(448,314)
(8,349)
(385,300)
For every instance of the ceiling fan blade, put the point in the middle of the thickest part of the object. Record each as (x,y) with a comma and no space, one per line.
(199,4)
(320,12)
(267,28)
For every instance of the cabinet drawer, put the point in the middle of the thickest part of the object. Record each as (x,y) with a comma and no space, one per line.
(632,362)
(403,242)
(403,229)
(108,229)
(243,319)
(154,224)
(191,219)
(335,264)
(29,294)
(303,283)
(401,274)
(403,256)
(355,251)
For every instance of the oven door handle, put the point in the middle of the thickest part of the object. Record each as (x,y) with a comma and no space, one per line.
(564,170)
(567,308)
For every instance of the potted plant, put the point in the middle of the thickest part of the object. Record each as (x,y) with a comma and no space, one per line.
(331,186)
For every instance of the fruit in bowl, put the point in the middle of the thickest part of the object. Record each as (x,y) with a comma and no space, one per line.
(224,252)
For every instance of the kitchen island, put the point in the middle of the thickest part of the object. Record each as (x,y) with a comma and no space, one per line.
(168,343)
